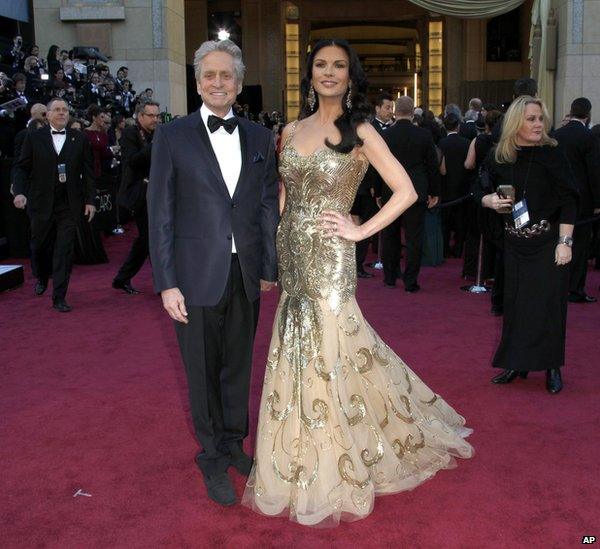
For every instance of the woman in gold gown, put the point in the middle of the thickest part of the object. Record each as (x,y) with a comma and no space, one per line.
(342,418)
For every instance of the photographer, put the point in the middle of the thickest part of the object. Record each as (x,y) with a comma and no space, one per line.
(15,56)
(136,147)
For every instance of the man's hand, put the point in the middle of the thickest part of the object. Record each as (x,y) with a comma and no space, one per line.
(432,201)
(266,286)
(20,201)
(596,211)
(174,303)
(562,254)
(90,211)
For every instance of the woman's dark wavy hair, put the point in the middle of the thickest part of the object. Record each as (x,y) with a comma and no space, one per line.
(351,118)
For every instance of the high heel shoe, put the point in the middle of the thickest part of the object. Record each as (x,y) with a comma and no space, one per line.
(505,377)
(554,382)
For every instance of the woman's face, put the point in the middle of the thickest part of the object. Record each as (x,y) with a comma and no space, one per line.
(76,126)
(331,72)
(533,125)
(100,121)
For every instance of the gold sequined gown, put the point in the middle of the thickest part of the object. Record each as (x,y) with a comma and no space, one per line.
(342,418)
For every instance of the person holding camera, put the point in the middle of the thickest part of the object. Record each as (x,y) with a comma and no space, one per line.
(15,56)
(534,191)
(136,147)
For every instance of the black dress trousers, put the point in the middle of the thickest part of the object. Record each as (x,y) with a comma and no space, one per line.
(139,249)
(52,247)
(216,346)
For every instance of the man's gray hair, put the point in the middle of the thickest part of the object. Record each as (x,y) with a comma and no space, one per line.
(220,45)
(472,114)
(452,108)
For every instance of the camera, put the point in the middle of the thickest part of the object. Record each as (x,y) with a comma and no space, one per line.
(44,76)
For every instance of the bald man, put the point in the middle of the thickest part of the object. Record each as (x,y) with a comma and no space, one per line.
(414,149)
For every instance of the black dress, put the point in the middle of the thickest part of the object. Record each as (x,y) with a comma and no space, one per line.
(535,288)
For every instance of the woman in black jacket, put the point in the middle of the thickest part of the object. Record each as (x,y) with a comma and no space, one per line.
(537,243)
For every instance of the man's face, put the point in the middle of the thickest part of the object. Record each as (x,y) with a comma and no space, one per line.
(149,94)
(35,51)
(148,118)
(217,84)
(120,75)
(95,79)
(20,85)
(58,114)
(125,73)
(386,111)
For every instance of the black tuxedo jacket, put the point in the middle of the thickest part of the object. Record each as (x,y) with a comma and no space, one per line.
(135,164)
(457,181)
(192,217)
(414,149)
(35,174)
(581,147)
(371,180)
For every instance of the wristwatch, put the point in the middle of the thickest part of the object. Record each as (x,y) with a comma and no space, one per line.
(567,240)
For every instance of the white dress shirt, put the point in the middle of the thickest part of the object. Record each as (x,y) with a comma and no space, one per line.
(228,151)
(58,139)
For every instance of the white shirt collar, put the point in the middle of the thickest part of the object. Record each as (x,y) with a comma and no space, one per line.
(205,112)
(52,128)
(580,121)
(382,122)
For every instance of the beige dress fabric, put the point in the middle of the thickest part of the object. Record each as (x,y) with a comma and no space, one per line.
(342,418)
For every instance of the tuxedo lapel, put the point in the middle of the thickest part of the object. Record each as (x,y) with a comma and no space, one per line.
(210,153)
(47,139)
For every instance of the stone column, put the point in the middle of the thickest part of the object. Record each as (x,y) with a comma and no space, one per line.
(196,27)
(453,59)
(578,67)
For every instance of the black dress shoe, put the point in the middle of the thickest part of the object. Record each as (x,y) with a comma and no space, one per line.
(62,306)
(581,298)
(40,287)
(389,284)
(241,461)
(413,288)
(554,382)
(505,377)
(125,286)
(363,274)
(220,489)
(497,311)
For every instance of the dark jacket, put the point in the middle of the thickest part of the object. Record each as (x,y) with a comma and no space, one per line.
(414,149)
(581,147)
(136,148)
(192,217)
(457,180)
(35,174)
(371,180)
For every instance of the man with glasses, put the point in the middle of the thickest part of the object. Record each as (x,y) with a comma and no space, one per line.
(136,146)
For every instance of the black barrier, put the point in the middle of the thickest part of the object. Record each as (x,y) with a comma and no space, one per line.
(453,202)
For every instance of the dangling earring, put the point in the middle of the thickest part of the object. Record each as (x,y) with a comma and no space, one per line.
(312,98)
(348,98)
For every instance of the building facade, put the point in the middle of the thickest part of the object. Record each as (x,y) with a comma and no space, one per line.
(405,48)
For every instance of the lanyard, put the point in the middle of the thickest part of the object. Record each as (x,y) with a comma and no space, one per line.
(526,174)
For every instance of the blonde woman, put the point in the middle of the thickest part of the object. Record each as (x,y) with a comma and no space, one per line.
(538,240)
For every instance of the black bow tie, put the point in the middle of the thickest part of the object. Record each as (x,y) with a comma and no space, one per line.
(57,132)
(214,123)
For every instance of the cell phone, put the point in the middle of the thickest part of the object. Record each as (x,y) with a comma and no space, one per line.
(506,191)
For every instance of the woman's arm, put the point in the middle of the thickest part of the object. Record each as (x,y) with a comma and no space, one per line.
(393,174)
(470,161)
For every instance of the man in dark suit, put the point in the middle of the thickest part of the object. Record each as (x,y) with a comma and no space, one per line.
(455,183)
(414,148)
(213,214)
(136,147)
(54,178)
(581,149)
(364,206)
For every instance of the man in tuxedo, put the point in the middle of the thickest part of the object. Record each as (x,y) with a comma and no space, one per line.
(54,178)
(213,214)
(364,206)
(414,148)
(580,146)
(455,183)
(136,148)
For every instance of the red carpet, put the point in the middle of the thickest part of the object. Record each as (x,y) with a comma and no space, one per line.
(96,400)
